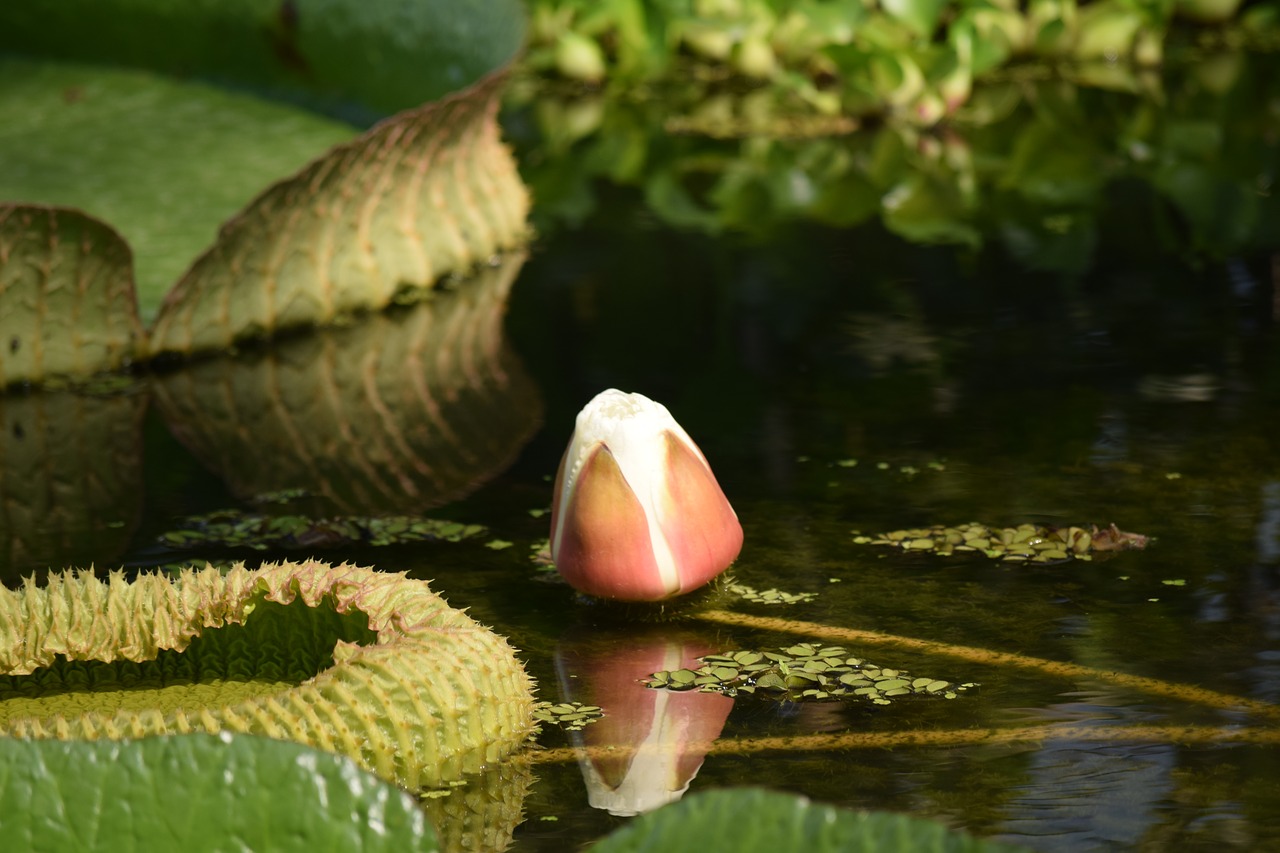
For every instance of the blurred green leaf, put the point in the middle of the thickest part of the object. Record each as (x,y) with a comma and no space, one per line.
(920,15)
(927,209)
(1222,213)
(378,56)
(1056,165)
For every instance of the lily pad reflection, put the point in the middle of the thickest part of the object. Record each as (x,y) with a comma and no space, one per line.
(397,412)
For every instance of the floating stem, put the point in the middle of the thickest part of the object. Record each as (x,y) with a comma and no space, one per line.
(987,657)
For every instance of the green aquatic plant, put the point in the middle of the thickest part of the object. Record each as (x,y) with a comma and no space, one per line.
(1026,543)
(236,529)
(803,671)
(570,716)
(1056,669)
(369,664)
(771,596)
(918,59)
(1036,163)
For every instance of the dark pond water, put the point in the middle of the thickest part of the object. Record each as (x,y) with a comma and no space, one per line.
(1135,382)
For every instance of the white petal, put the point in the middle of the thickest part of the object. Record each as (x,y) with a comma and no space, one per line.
(632,427)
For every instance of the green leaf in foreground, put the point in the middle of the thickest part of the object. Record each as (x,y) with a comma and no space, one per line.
(748,820)
(198,792)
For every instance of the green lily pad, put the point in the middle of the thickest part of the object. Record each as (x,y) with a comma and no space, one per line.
(187,157)
(166,162)
(366,663)
(428,193)
(749,820)
(67,307)
(199,792)
(381,56)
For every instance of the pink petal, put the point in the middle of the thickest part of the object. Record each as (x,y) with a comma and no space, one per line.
(604,547)
(697,521)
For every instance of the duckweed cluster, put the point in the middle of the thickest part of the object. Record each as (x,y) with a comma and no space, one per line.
(769,596)
(804,672)
(235,529)
(570,716)
(1026,543)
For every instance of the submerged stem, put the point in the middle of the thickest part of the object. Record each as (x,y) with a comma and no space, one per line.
(1185,735)
(1059,669)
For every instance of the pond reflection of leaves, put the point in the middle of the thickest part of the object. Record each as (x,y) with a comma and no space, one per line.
(400,411)
(482,814)
(70,478)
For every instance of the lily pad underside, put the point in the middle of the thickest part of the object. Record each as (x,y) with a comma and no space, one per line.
(412,689)
(67,303)
(427,193)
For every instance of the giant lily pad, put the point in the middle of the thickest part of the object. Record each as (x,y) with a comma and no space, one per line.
(429,192)
(67,306)
(383,55)
(198,792)
(188,157)
(349,660)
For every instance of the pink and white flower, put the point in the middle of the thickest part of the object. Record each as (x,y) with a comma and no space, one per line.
(637,514)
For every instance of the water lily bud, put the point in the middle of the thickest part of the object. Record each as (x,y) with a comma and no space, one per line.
(637,514)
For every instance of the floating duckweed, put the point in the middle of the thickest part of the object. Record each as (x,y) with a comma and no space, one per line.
(235,529)
(1025,543)
(570,716)
(770,596)
(282,496)
(683,676)
(803,671)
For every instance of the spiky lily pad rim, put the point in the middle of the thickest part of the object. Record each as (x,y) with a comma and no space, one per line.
(434,697)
